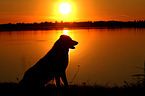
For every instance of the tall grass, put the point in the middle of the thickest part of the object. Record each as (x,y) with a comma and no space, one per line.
(128,89)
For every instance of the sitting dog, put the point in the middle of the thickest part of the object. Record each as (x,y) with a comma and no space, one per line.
(52,65)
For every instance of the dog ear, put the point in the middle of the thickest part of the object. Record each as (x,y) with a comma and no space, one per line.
(62,36)
(65,37)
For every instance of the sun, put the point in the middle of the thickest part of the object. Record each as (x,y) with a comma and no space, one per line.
(64,8)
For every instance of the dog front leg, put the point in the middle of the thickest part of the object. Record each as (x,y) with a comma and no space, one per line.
(64,79)
(57,81)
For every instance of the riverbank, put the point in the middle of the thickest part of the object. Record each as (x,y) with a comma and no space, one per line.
(72,25)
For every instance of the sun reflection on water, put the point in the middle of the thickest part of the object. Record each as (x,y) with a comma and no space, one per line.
(65,32)
(68,32)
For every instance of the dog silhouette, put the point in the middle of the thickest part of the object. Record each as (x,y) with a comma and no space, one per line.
(52,65)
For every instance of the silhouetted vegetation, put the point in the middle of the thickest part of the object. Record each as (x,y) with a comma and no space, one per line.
(61,25)
(132,89)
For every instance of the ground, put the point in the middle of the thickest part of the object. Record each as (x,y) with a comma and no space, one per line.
(74,90)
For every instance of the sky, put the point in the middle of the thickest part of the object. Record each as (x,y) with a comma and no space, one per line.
(30,11)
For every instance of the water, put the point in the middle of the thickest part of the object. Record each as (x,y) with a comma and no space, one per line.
(103,55)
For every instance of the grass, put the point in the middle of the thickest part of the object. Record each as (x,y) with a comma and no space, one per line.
(128,89)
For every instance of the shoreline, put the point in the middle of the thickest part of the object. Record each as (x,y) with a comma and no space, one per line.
(72,25)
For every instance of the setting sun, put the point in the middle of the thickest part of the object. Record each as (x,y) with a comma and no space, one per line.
(65,8)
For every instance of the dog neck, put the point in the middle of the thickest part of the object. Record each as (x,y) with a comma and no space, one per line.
(60,50)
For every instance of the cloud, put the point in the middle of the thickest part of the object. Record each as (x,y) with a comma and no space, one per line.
(124,16)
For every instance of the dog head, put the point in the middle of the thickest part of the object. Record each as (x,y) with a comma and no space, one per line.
(68,42)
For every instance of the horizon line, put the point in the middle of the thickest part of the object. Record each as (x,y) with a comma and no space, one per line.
(74,21)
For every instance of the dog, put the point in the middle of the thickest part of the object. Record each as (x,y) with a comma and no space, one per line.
(52,65)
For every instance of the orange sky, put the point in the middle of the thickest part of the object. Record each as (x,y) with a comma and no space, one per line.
(29,11)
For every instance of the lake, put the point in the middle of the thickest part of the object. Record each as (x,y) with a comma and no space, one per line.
(102,55)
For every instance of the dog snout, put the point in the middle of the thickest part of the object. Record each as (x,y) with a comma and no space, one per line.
(75,42)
